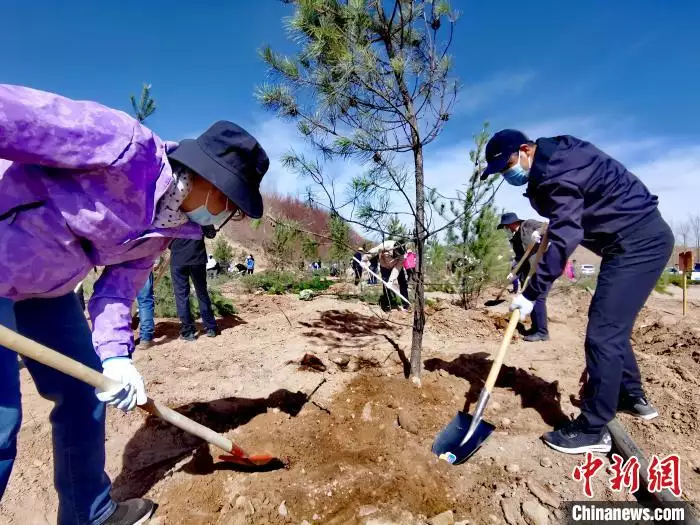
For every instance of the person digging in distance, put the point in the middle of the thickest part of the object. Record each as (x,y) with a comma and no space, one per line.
(523,233)
(593,200)
(84,185)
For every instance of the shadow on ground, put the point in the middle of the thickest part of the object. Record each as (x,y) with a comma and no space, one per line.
(169,329)
(157,446)
(345,329)
(534,391)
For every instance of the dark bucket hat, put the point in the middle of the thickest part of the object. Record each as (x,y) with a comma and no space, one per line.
(232,160)
(508,218)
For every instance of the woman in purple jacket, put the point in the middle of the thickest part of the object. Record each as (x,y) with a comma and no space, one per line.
(82,185)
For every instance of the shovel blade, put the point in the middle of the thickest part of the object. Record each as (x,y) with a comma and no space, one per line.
(494,302)
(447,444)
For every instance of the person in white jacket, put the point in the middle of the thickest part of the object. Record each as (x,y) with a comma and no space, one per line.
(391,259)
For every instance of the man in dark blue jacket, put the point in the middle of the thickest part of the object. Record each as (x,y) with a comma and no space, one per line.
(593,200)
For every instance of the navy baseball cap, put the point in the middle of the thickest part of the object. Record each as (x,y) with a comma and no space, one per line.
(499,149)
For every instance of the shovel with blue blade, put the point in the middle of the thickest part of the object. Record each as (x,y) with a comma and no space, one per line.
(465,434)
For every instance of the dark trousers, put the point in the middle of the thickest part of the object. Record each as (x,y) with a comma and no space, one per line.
(77,417)
(358,274)
(388,297)
(627,278)
(539,316)
(181,284)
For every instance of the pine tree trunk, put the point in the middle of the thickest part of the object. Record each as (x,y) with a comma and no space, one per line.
(419,302)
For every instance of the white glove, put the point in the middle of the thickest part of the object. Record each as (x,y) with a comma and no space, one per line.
(520,303)
(510,277)
(536,236)
(131,392)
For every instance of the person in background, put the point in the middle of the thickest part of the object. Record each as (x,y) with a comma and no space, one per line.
(146,304)
(522,234)
(516,279)
(357,264)
(250,264)
(409,264)
(84,185)
(593,200)
(569,271)
(391,259)
(374,266)
(189,262)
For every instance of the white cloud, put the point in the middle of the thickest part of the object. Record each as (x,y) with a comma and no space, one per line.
(475,96)
(675,177)
(672,174)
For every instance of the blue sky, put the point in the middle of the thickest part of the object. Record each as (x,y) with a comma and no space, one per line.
(623,75)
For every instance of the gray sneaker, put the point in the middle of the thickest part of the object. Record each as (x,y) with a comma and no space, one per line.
(638,407)
(131,512)
(536,337)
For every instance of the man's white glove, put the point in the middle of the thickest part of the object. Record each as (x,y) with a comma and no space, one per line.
(510,277)
(131,391)
(525,306)
(536,236)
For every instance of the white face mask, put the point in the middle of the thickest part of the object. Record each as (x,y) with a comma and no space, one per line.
(204,217)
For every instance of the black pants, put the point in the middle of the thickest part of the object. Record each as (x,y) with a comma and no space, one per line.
(387,297)
(627,277)
(181,284)
(539,316)
(358,274)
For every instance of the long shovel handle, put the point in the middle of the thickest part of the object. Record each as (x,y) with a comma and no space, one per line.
(540,253)
(386,285)
(500,355)
(62,363)
(543,233)
(513,324)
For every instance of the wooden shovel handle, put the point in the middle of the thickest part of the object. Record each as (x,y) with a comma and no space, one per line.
(513,324)
(62,363)
(500,355)
(543,234)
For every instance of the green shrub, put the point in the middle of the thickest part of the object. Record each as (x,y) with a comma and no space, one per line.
(674,279)
(223,253)
(276,283)
(662,284)
(165,301)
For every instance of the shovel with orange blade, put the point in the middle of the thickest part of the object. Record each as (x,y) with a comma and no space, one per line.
(40,353)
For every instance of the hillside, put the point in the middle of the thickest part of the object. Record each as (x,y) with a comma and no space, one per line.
(245,237)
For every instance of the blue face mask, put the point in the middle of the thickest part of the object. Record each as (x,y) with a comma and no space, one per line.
(517,175)
(204,217)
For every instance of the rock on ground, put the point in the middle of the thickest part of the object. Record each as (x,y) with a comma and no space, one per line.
(543,494)
(283,509)
(534,513)
(511,510)
(366,510)
(444,518)
(367,412)
(407,422)
(244,503)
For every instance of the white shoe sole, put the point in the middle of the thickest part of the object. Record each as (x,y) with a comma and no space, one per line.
(603,449)
(645,417)
(146,518)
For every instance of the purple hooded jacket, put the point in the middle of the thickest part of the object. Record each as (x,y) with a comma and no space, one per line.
(78,188)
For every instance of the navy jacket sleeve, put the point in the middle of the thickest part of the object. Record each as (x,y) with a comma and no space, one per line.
(565,232)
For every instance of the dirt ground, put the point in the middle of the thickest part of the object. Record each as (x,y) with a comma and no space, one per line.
(358,450)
